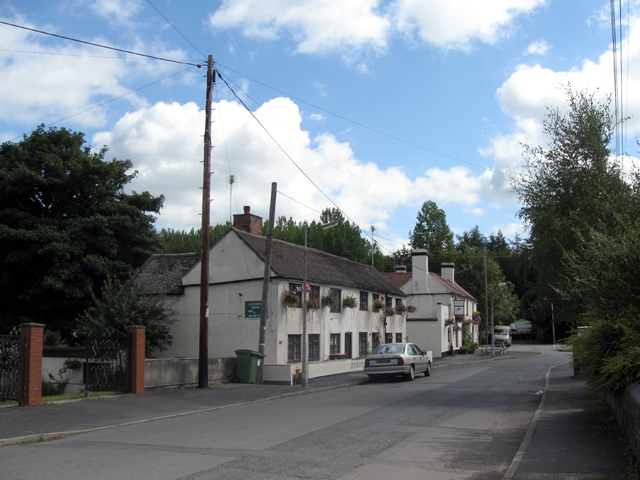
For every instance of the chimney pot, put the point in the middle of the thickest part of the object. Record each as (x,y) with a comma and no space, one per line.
(247,209)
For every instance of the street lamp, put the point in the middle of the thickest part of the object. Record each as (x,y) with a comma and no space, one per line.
(493,333)
(304,374)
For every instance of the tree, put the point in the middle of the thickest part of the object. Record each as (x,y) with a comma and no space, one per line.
(66,225)
(432,233)
(119,307)
(181,241)
(570,188)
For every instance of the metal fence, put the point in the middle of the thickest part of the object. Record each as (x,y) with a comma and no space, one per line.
(9,367)
(106,363)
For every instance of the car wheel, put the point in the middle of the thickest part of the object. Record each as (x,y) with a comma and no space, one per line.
(427,372)
(412,373)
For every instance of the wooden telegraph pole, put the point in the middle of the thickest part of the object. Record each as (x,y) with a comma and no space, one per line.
(203,359)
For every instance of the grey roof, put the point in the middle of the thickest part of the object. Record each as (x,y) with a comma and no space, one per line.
(162,274)
(287,260)
(400,279)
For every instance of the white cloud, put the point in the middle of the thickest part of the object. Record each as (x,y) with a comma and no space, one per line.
(318,117)
(357,26)
(117,10)
(454,24)
(165,144)
(45,80)
(531,89)
(318,26)
(539,47)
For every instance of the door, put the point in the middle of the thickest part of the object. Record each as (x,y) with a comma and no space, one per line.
(347,344)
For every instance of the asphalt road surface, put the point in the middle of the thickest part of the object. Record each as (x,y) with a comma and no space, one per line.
(476,421)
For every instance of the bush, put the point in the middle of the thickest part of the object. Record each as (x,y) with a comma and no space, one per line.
(609,351)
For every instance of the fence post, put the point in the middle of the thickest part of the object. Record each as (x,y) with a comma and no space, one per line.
(136,359)
(30,383)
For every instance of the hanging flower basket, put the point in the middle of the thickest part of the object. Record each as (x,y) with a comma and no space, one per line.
(290,299)
(466,321)
(377,305)
(328,300)
(349,302)
(389,312)
(401,309)
(449,321)
(477,319)
(411,309)
(313,304)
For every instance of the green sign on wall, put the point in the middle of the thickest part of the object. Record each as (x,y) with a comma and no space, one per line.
(252,309)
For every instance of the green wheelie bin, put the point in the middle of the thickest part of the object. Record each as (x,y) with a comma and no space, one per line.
(247,365)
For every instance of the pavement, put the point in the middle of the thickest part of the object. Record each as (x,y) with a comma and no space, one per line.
(60,419)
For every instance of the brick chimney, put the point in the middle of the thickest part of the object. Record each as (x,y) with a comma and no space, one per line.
(447,271)
(248,222)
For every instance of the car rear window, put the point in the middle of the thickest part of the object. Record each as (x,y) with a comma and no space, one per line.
(388,349)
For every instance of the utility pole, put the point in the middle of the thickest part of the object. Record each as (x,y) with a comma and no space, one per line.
(203,358)
(373,229)
(486,298)
(264,310)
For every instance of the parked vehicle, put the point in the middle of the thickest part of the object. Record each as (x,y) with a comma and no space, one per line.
(393,359)
(502,335)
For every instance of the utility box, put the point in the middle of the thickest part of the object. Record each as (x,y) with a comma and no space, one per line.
(247,365)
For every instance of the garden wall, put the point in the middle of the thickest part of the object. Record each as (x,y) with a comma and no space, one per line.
(178,372)
(626,408)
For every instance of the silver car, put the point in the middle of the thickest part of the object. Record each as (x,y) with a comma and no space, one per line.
(397,359)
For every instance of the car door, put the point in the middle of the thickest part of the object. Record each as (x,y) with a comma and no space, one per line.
(418,358)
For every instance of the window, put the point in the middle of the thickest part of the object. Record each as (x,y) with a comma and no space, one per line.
(398,302)
(293,348)
(375,340)
(315,293)
(398,338)
(375,296)
(364,300)
(389,302)
(314,346)
(388,338)
(347,345)
(297,289)
(363,345)
(334,343)
(337,307)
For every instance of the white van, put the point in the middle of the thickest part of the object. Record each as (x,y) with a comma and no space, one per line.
(502,335)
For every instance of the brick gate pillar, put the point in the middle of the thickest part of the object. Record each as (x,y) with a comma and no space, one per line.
(30,383)
(136,358)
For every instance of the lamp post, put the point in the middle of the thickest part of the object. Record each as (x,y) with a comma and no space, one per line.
(493,333)
(304,374)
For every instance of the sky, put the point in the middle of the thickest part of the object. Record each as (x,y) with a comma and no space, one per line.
(372,107)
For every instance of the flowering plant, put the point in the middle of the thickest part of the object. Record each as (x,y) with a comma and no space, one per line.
(349,302)
(313,304)
(449,321)
(328,300)
(389,312)
(401,309)
(289,298)
(377,305)
(411,309)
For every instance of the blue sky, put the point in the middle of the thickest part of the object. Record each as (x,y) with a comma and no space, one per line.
(383,104)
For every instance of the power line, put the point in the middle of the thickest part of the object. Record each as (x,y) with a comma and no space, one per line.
(175,28)
(110,100)
(325,160)
(99,45)
(380,132)
(78,55)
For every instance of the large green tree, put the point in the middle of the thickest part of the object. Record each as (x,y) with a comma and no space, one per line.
(66,225)
(570,189)
(433,234)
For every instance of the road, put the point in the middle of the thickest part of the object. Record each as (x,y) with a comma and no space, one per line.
(463,422)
